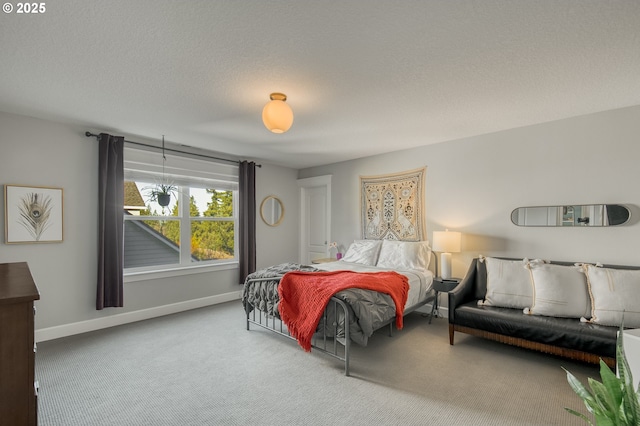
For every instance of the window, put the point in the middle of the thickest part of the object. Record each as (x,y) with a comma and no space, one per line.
(198,227)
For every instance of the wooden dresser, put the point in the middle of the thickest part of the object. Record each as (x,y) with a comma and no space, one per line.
(18,393)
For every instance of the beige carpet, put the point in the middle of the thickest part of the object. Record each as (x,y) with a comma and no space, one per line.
(203,367)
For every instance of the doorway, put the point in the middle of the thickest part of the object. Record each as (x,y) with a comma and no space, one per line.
(315,218)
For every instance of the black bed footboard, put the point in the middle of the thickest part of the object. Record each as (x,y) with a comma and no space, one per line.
(330,324)
(333,335)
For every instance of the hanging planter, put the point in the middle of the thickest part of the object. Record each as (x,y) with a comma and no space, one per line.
(164,199)
(161,193)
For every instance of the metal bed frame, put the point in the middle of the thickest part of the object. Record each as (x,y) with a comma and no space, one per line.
(340,347)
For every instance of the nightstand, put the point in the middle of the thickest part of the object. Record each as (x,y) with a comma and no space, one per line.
(324,260)
(442,285)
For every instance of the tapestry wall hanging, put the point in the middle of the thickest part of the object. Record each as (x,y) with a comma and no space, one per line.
(393,206)
(32,214)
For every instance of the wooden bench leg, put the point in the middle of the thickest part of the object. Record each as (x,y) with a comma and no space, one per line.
(451,334)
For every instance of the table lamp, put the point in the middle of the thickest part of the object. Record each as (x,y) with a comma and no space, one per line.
(446,243)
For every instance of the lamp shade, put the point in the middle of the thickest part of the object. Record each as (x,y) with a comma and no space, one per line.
(446,241)
(277,116)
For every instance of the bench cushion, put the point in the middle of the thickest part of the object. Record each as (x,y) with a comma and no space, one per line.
(561,332)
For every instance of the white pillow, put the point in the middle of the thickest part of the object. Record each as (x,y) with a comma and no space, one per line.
(404,255)
(614,292)
(508,283)
(559,291)
(364,252)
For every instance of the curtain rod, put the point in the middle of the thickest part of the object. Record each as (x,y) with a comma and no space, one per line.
(89,134)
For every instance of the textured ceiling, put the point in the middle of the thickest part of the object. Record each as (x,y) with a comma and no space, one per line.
(362,77)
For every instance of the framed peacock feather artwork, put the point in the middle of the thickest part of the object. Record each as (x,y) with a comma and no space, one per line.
(32,214)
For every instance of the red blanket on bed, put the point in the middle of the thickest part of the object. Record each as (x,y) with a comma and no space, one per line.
(304,296)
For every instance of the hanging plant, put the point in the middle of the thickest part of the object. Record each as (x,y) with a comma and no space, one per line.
(161,193)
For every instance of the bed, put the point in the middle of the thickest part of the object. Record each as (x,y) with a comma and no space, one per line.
(365,310)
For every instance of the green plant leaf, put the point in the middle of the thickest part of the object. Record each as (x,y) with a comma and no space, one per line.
(613,385)
(630,407)
(582,416)
(579,388)
(607,406)
(603,420)
(613,401)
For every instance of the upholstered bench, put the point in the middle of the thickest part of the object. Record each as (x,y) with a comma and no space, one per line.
(551,319)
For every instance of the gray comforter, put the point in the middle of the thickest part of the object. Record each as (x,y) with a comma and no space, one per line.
(263,295)
(369,310)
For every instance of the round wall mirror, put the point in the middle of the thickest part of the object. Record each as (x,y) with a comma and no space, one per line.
(272,211)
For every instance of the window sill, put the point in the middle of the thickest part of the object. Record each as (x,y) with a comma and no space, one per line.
(177,271)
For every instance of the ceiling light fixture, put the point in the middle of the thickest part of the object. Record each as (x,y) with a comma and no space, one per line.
(277,116)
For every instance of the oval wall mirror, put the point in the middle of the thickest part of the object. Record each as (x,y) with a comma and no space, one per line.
(571,215)
(272,210)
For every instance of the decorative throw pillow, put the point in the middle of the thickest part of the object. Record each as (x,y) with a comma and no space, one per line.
(559,291)
(404,255)
(364,252)
(614,293)
(508,283)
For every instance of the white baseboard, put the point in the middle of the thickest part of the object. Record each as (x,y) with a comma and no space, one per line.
(65,330)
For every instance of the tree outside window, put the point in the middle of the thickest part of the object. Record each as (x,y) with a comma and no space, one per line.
(154,234)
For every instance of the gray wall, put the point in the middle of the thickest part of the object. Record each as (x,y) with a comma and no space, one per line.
(44,153)
(277,244)
(473,184)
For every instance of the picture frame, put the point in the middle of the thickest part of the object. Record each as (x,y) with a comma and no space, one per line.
(33,214)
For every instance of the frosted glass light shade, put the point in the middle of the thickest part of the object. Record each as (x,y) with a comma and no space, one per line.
(277,116)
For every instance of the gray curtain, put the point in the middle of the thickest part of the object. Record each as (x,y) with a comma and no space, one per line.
(111,221)
(247,217)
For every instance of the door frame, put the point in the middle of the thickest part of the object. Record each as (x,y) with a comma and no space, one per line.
(304,185)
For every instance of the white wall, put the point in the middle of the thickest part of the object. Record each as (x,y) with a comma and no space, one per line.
(43,153)
(473,184)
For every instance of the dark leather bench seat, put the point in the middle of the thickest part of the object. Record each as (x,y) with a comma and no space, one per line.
(567,333)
